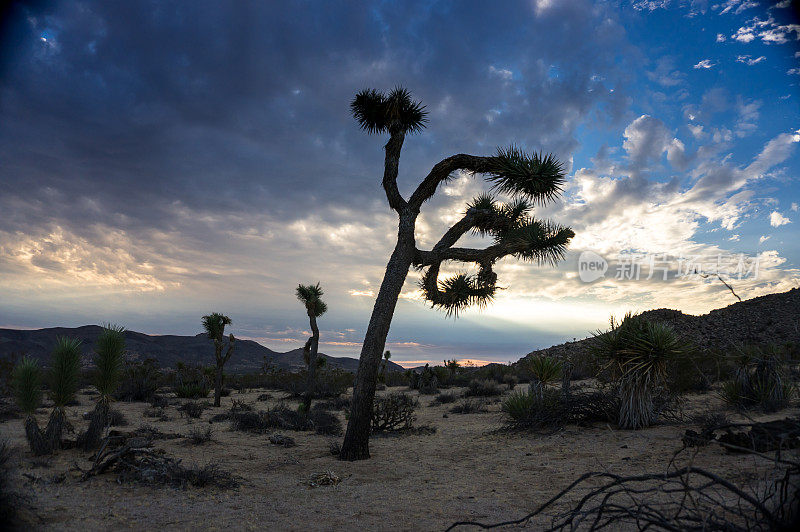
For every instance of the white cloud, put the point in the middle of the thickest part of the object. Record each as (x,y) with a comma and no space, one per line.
(734,238)
(769,31)
(776,219)
(736,6)
(763,239)
(705,63)
(502,73)
(749,60)
(794,207)
(697,131)
(720,37)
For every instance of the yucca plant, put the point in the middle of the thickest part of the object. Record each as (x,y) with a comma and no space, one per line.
(635,355)
(27,384)
(214,325)
(544,370)
(64,380)
(760,379)
(108,360)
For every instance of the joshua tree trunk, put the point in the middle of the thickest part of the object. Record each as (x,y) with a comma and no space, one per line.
(356,440)
(97,424)
(312,363)
(55,428)
(219,377)
(36,440)
(218,383)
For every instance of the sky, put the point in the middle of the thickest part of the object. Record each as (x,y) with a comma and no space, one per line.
(163,160)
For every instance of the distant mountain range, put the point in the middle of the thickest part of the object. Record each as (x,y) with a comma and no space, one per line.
(167,350)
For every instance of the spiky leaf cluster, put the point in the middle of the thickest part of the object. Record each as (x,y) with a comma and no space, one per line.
(65,372)
(458,293)
(27,382)
(311,297)
(109,351)
(214,325)
(538,177)
(377,112)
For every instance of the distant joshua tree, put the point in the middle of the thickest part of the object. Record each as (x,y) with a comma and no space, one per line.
(214,325)
(386,356)
(311,297)
(26,380)
(529,179)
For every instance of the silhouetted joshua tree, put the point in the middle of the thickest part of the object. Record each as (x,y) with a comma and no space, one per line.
(27,385)
(64,382)
(528,179)
(214,325)
(311,297)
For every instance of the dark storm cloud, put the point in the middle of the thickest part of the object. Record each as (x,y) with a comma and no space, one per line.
(243,107)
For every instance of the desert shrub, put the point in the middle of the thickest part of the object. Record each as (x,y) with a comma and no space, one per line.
(162,470)
(27,384)
(442,374)
(192,382)
(140,380)
(483,388)
(264,397)
(392,412)
(547,408)
(395,378)
(444,398)
(240,406)
(325,422)
(198,436)
(157,413)
(635,355)
(261,422)
(425,381)
(332,382)
(469,406)
(193,409)
(510,380)
(760,380)
(159,401)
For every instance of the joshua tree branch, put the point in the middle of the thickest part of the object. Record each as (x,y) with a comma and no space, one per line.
(441,172)
(228,353)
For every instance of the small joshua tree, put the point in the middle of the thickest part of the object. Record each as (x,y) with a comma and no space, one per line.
(386,356)
(543,370)
(27,383)
(64,379)
(529,179)
(214,325)
(311,297)
(108,359)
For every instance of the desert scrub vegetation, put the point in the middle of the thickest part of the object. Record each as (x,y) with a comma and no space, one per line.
(394,411)
(760,379)
(634,355)
(541,371)
(191,382)
(140,380)
(214,325)
(282,417)
(425,381)
(444,398)
(483,388)
(470,405)
(193,409)
(549,408)
(199,435)
(109,350)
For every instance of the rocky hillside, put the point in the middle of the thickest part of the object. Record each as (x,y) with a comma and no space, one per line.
(774,318)
(166,349)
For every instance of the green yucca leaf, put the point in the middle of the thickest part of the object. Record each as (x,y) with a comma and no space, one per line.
(543,368)
(311,296)
(108,359)
(537,177)
(457,293)
(214,325)
(27,381)
(65,370)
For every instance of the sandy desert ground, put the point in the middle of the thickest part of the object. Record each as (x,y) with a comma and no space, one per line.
(466,470)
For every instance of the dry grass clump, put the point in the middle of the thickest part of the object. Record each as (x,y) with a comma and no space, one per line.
(283,418)
(444,398)
(760,380)
(193,409)
(470,406)
(165,471)
(198,436)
